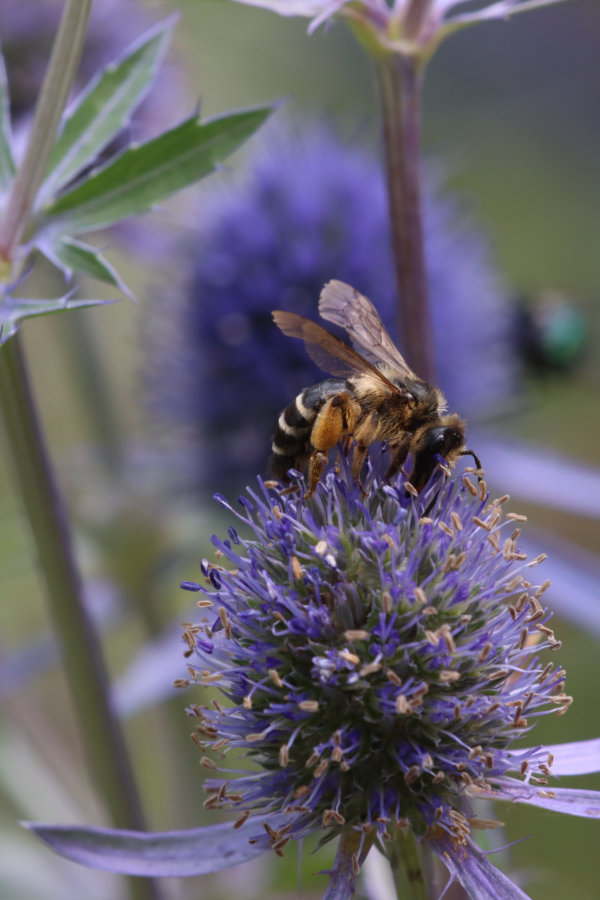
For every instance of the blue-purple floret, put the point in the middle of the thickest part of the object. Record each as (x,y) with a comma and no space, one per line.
(380,652)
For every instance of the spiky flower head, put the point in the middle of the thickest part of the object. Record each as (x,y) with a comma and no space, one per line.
(379,653)
(308,208)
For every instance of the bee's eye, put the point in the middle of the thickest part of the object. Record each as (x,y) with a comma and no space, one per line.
(437,443)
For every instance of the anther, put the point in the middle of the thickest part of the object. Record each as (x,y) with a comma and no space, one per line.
(420,596)
(213,678)
(469,485)
(545,672)
(274,676)
(481,523)
(368,670)
(485,651)
(356,635)
(311,706)
(513,584)
(412,775)
(524,638)
(449,676)
(456,521)
(312,760)
(241,820)
(493,539)
(402,705)
(542,588)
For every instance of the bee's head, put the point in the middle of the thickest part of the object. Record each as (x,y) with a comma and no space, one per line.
(446,439)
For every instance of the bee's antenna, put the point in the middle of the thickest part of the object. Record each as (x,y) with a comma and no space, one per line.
(474,455)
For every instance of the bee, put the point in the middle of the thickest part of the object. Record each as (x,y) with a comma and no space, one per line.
(373,396)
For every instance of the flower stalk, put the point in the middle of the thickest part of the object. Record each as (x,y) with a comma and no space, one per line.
(399,81)
(415,16)
(408,874)
(84,665)
(64,60)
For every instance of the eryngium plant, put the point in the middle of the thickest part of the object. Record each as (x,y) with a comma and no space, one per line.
(379,654)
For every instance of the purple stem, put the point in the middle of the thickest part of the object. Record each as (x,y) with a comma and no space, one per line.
(400,87)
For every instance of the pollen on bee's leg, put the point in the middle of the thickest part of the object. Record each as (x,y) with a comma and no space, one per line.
(317,463)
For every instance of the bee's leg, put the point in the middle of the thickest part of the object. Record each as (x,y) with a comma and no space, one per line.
(330,426)
(360,451)
(316,465)
(289,490)
(365,433)
(399,457)
(346,446)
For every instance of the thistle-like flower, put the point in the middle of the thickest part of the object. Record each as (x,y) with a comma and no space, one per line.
(379,652)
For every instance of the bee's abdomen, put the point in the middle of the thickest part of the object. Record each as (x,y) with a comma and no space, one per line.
(291,444)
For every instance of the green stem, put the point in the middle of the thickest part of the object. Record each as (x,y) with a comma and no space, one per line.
(407,867)
(64,60)
(84,665)
(96,398)
(400,86)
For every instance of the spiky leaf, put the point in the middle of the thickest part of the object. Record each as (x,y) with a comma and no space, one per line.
(71,255)
(14,311)
(145,175)
(105,107)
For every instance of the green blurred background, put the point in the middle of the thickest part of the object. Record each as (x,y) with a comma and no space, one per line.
(513,110)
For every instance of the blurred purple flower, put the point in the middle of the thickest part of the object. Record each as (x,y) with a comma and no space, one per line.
(406,27)
(310,208)
(28,30)
(379,654)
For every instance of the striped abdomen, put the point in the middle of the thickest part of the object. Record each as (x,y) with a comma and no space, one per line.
(291,444)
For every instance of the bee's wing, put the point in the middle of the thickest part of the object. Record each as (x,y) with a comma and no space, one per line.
(327,351)
(345,306)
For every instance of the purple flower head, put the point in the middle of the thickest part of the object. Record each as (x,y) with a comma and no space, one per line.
(379,654)
(308,209)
